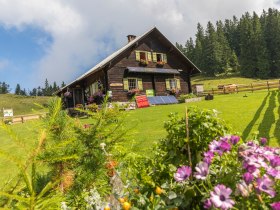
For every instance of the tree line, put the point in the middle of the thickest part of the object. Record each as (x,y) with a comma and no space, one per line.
(47,90)
(249,46)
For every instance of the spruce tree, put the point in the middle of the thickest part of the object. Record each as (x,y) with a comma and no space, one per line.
(211,56)
(17,90)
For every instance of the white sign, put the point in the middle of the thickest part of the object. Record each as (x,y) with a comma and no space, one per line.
(8,112)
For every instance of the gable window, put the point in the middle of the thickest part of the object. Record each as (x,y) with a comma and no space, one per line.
(159,58)
(143,56)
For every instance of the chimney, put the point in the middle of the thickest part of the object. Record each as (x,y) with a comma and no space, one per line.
(130,37)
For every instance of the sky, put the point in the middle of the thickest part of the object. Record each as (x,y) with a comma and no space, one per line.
(61,39)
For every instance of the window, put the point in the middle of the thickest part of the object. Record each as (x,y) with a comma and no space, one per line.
(159,58)
(132,84)
(172,84)
(143,56)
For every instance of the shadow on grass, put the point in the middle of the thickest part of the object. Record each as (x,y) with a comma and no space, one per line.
(277,127)
(268,118)
(249,127)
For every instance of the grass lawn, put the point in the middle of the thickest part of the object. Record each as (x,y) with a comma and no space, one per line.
(259,111)
(27,134)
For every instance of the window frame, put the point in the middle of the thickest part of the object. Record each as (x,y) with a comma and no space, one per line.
(136,83)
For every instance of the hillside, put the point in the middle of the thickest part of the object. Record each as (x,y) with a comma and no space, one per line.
(213,82)
(22,104)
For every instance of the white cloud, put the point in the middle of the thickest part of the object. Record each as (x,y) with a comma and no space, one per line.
(83,31)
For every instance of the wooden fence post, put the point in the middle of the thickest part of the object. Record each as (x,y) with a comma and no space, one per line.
(267,85)
(213,89)
(237,88)
(279,84)
(252,89)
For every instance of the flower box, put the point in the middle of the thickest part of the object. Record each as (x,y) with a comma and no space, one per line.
(188,100)
(144,62)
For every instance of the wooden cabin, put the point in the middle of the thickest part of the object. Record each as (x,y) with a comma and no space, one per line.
(147,65)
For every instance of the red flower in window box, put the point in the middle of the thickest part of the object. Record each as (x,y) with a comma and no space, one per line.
(160,63)
(133,92)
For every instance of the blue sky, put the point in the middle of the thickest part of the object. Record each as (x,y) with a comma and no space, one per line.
(61,39)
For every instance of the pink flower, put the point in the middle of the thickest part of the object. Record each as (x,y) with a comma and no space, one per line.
(248,177)
(220,197)
(275,205)
(202,171)
(208,157)
(234,139)
(207,204)
(182,173)
(265,184)
(263,141)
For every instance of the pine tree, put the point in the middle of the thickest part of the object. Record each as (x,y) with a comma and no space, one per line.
(4,88)
(63,84)
(33,92)
(212,55)
(189,49)
(17,90)
(224,52)
(199,48)
(271,21)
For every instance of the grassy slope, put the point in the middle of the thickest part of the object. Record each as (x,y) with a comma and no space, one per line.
(21,104)
(213,82)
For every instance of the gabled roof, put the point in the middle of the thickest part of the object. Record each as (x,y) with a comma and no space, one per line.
(111,57)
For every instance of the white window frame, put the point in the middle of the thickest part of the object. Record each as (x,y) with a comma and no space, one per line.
(136,83)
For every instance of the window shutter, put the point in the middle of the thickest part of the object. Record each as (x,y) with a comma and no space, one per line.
(154,57)
(164,58)
(137,55)
(149,56)
(178,85)
(125,83)
(167,84)
(140,84)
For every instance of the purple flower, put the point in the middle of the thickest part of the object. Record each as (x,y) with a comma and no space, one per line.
(234,139)
(250,143)
(208,157)
(182,173)
(263,141)
(202,171)
(265,184)
(275,161)
(215,147)
(275,205)
(225,146)
(220,197)
(273,172)
(207,204)
(248,177)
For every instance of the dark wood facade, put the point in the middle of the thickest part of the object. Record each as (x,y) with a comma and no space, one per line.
(111,76)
